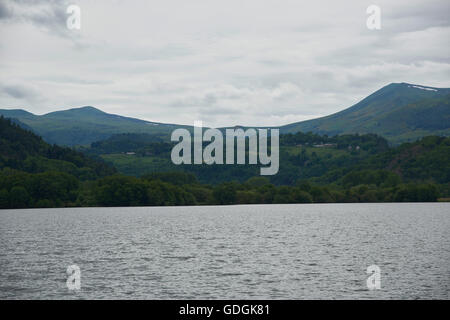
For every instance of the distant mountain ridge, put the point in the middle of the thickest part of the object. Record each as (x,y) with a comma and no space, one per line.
(399,112)
(82,126)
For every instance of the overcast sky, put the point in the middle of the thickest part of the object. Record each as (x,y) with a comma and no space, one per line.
(227,62)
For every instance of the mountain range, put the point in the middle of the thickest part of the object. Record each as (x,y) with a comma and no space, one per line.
(82,126)
(400,112)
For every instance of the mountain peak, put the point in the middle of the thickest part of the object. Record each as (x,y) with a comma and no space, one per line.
(414,86)
(86,109)
(407,91)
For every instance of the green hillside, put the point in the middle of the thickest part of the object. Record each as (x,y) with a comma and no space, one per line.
(346,168)
(399,112)
(25,151)
(303,156)
(36,174)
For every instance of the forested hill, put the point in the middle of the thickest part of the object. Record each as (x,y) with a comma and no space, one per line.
(25,151)
(303,156)
(426,160)
(36,174)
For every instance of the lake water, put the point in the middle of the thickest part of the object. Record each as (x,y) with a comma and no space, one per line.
(314,251)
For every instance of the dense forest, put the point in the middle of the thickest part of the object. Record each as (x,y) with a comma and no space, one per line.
(313,168)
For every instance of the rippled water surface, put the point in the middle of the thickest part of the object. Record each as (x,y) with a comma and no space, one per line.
(247,252)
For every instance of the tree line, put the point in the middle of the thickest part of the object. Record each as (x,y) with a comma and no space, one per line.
(59,189)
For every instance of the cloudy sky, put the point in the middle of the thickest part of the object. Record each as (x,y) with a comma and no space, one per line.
(247,62)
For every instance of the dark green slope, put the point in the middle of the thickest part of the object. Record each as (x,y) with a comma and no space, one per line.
(36,174)
(399,111)
(24,151)
(82,126)
(425,160)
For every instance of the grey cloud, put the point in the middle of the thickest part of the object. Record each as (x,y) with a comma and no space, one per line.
(5,11)
(47,14)
(20,92)
(428,14)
